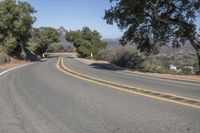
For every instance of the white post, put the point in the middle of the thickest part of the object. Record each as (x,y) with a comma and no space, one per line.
(91,55)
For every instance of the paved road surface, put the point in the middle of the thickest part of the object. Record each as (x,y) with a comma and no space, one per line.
(157,84)
(39,98)
(1,70)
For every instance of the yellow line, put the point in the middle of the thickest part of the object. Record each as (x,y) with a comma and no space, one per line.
(125,90)
(130,87)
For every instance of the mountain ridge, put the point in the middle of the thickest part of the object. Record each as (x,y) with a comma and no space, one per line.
(63,40)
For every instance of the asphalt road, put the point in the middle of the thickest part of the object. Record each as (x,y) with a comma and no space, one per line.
(106,72)
(1,70)
(39,98)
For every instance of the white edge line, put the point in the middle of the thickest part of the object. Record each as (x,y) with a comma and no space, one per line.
(8,70)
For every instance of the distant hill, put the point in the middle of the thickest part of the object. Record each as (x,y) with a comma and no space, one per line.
(63,41)
(112,42)
(186,49)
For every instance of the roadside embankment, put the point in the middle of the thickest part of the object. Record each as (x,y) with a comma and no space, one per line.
(194,78)
(12,63)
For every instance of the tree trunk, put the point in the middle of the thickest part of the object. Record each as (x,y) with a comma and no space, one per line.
(22,48)
(23,54)
(196,46)
(198,58)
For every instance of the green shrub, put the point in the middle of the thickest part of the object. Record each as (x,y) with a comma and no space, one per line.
(35,48)
(55,47)
(23,55)
(4,58)
(10,44)
(187,71)
(127,57)
(153,64)
(86,42)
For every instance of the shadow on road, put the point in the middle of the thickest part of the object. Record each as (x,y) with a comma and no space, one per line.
(105,66)
(52,56)
(70,57)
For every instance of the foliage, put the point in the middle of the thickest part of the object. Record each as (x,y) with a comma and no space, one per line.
(10,44)
(15,25)
(153,23)
(86,41)
(126,56)
(4,58)
(69,48)
(157,64)
(129,57)
(42,38)
(55,47)
(161,64)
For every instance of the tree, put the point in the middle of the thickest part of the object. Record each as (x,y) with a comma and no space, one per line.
(86,41)
(42,38)
(56,47)
(154,23)
(15,25)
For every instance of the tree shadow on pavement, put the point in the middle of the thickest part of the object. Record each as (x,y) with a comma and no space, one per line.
(106,66)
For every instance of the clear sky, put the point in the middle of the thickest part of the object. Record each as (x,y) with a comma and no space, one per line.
(74,14)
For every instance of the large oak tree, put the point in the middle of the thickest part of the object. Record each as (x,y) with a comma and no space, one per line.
(16,19)
(42,38)
(154,23)
(86,41)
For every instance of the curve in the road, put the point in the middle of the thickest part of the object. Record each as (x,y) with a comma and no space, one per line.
(194,103)
(13,68)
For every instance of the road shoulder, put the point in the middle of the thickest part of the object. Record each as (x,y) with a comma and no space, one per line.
(188,78)
(12,64)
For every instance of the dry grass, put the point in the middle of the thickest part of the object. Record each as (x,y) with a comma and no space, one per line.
(13,63)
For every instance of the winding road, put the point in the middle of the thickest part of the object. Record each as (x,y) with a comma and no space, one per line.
(44,98)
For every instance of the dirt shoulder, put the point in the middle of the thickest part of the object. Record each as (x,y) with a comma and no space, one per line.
(194,78)
(90,61)
(13,63)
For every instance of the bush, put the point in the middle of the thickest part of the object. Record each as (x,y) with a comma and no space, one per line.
(155,64)
(10,45)
(69,48)
(4,58)
(86,42)
(33,46)
(127,57)
(55,47)
(58,47)
(187,71)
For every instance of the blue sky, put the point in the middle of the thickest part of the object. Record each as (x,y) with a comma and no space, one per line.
(74,14)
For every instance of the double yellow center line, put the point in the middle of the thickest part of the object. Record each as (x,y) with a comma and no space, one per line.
(194,103)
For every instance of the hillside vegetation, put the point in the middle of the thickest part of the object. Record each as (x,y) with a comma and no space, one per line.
(86,42)
(18,38)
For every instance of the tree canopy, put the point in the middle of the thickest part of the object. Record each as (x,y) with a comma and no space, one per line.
(86,41)
(154,23)
(42,38)
(15,25)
